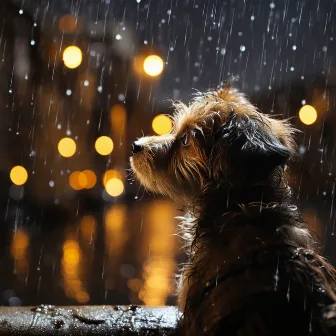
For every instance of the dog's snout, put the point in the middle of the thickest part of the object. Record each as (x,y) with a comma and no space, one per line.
(137,147)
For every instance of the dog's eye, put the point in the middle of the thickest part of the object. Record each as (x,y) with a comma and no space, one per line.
(185,140)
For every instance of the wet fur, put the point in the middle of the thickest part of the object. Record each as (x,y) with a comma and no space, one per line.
(224,162)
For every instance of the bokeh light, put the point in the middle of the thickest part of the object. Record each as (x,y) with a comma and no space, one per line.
(78,180)
(104,145)
(19,249)
(88,226)
(72,57)
(308,114)
(91,178)
(153,65)
(110,174)
(114,187)
(67,24)
(67,147)
(18,175)
(162,124)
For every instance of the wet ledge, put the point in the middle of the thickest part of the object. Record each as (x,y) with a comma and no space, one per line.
(88,320)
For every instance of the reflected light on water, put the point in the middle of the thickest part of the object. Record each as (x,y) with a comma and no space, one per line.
(19,250)
(71,262)
(158,271)
(88,226)
(115,231)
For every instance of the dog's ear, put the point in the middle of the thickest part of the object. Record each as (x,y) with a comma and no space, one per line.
(253,145)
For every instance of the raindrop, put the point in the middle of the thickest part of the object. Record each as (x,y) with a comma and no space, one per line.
(51,184)
(209,38)
(59,126)
(35,24)
(272,5)
(100,89)
(303,101)
(145,41)
(294,47)
(168,11)
(68,92)
(138,1)
(242,48)
(118,37)
(32,42)
(20,11)
(86,83)
(240,34)
(252,17)
(121,97)
(291,68)
(324,48)
(68,132)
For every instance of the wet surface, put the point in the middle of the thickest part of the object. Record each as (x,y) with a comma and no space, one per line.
(100,320)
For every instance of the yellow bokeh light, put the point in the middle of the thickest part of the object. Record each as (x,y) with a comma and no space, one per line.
(308,114)
(153,65)
(104,145)
(91,179)
(18,175)
(162,124)
(67,147)
(78,180)
(114,187)
(67,24)
(72,57)
(111,174)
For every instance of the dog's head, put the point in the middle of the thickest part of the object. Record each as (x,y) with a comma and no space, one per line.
(220,138)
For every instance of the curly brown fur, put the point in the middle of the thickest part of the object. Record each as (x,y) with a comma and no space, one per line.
(247,245)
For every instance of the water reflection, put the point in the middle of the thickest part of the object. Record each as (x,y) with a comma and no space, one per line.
(158,269)
(19,250)
(118,253)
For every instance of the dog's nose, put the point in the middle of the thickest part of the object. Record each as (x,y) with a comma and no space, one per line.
(137,147)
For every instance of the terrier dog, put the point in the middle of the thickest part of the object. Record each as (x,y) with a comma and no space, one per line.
(253,265)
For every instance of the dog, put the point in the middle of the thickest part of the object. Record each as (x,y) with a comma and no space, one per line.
(253,267)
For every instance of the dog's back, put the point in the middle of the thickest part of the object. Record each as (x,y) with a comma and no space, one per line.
(278,284)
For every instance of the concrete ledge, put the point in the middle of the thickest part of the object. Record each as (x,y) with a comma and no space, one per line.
(88,320)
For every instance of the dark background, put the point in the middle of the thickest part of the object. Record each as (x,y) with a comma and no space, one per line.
(62,246)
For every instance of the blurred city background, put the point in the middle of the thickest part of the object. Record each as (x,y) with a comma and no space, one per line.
(80,80)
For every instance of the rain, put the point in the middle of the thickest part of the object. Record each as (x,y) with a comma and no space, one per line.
(81,80)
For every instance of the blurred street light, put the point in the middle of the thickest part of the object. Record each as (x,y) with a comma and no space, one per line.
(67,147)
(104,145)
(162,124)
(18,175)
(308,114)
(153,65)
(72,57)
(114,187)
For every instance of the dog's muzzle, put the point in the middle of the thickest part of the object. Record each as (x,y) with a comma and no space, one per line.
(137,147)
